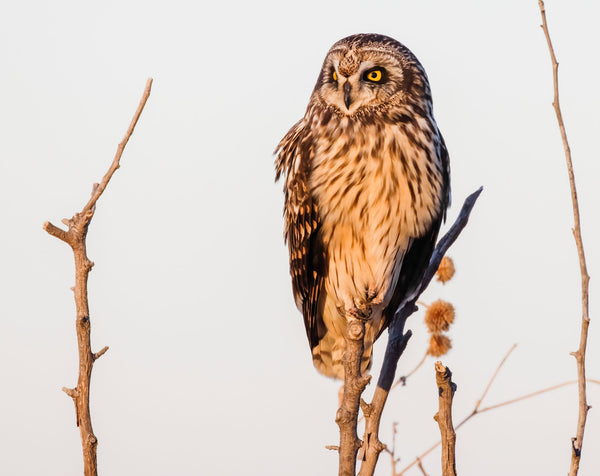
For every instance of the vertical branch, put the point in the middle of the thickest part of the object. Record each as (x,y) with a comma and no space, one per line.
(446,389)
(75,237)
(371,444)
(579,354)
(354,385)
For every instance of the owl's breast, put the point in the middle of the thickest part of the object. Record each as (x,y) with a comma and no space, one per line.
(378,176)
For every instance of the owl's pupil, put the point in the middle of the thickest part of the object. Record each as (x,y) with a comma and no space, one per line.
(376,75)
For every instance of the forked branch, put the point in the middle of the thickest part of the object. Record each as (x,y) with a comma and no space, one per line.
(75,237)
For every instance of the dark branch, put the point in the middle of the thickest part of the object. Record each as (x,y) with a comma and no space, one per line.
(397,338)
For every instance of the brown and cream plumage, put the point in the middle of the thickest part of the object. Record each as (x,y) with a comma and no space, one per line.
(366,189)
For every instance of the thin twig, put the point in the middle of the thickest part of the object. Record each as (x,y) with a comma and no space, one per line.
(402,380)
(420,465)
(487,389)
(392,453)
(446,388)
(75,237)
(579,354)
(99,188)
(477,410)
(472,414)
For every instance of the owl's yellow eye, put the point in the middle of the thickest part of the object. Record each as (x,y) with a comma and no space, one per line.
(375,75)
(334,76)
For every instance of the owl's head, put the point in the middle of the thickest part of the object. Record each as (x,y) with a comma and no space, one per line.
(368,73)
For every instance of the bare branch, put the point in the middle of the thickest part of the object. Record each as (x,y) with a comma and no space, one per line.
(420,465)
(99,188)
(487,389)
(533,394)
(396,328)
(100,353)
(354,384)
(56,231)
(371,443)
(473,413)
(71,392)
(577,442)
(446,389)
(75,237)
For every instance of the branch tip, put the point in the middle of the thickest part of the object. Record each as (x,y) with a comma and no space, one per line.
(100,353)
(71,392)
(366,408)
(56,231)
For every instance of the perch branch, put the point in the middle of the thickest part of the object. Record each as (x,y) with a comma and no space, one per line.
(75,237)
(398,339)
(446,389)
(354,384)
(579,354)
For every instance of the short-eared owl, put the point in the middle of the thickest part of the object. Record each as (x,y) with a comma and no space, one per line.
(366,188)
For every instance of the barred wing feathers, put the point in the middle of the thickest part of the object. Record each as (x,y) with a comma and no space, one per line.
(294,154)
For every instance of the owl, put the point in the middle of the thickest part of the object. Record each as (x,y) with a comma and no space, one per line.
(367,184)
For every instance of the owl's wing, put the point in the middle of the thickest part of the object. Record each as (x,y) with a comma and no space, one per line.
(419,251)
(414,265)
(294,154)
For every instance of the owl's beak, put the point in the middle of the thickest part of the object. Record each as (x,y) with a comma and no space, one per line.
(347,94)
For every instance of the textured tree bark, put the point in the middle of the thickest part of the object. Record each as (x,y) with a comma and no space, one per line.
(446,389)
(354,384)
(372,446)
(75,237)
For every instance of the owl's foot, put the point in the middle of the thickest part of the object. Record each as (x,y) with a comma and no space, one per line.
(360,310)
(373,296)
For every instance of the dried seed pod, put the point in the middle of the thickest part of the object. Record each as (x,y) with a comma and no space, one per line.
(439,345)
(445,270)
(439,315)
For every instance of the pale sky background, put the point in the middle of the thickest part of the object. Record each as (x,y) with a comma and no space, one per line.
(209,371)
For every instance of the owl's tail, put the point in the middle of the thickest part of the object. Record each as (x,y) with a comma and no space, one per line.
(329,352)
